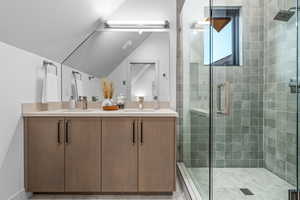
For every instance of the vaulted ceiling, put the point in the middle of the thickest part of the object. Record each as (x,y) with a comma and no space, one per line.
(54,28)
(51,28)
(104,51)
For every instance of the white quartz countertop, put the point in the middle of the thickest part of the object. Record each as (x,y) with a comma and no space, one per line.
(102,113)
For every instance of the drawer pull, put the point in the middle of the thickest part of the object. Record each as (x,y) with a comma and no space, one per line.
(133,132)
(67,140)
(58,132)
(142,134)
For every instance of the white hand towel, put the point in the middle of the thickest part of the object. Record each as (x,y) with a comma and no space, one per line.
(77,88)
(79,85)
(50,88)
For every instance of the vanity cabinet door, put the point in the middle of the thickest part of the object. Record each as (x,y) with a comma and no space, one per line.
(119,155)
(82,155)
(157,158)
(44,154)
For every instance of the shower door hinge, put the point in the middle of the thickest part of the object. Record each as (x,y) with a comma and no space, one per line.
(294,195)
(294,85)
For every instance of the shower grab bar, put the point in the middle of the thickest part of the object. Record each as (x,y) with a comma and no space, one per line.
(47,63)
(226,87)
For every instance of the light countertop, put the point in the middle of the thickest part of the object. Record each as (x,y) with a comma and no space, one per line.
(102,113)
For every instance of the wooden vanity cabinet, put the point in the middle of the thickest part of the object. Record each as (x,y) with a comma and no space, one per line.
(62,154)
(157,159)
(119,155)
(113,154)
(138,155)
(83,155)
(44,154)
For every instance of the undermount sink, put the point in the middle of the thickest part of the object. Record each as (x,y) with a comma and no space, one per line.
(139,110)
(80,110)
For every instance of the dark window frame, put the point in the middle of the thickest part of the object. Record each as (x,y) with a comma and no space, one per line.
(234,14)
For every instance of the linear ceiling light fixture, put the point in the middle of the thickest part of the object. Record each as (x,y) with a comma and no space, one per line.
(137,24)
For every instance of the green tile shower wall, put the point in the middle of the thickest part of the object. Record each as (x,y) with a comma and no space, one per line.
(260,130)
(280,59)
(237,137)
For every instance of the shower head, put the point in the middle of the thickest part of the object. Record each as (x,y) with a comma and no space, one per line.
(286,15)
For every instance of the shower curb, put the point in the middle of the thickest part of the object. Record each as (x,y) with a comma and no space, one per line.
(189,188)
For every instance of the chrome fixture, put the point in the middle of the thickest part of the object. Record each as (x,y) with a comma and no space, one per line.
(47,63)
(294,84)
(137,24)
(140,101)
(83,102)
(75,75)
(286,15)
(223,98)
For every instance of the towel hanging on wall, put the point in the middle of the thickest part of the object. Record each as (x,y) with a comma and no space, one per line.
(77,87)
(50,85)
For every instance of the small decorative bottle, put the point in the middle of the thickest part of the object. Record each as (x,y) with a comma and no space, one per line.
(156,103)
(72,103)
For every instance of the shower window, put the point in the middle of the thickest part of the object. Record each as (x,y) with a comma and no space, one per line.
(226,38)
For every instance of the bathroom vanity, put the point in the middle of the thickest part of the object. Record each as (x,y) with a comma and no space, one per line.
(97,151)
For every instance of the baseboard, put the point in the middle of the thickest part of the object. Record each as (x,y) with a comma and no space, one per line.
(21,195)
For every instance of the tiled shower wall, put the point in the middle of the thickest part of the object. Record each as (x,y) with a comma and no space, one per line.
(279,103)
(260,130)
(238,138)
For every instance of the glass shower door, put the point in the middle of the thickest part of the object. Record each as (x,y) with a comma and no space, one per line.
(252,51)
(195,104)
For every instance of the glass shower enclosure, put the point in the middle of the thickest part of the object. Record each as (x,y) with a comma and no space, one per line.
(240,98)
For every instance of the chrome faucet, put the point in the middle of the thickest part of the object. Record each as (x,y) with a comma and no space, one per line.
(83,102)
(140,101)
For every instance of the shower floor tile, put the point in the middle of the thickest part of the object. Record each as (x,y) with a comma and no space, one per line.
(227,183)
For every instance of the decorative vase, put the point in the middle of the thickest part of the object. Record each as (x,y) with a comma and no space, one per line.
(107,102)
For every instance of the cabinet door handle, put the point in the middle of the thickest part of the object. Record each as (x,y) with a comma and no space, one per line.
(133,132)
(67,132)
(142,134)
(58,132)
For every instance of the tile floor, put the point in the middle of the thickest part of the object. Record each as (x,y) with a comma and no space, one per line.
(178,195)
(228,181)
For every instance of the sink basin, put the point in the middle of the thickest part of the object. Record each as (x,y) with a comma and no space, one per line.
(138,110)
(80,110)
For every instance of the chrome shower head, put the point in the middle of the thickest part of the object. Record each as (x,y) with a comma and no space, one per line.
(284,15)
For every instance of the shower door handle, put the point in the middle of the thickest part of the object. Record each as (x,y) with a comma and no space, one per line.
(226,88)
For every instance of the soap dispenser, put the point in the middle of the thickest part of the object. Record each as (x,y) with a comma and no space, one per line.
(72,103)
(156,103)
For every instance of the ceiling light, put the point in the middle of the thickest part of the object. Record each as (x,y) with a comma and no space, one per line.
(200,26)
(203,22)
(136,24)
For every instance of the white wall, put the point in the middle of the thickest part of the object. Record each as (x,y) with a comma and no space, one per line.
(20,82)
(90,87)
(154,48)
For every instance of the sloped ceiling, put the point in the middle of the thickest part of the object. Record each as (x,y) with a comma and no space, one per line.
(51,28)
(103,52)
